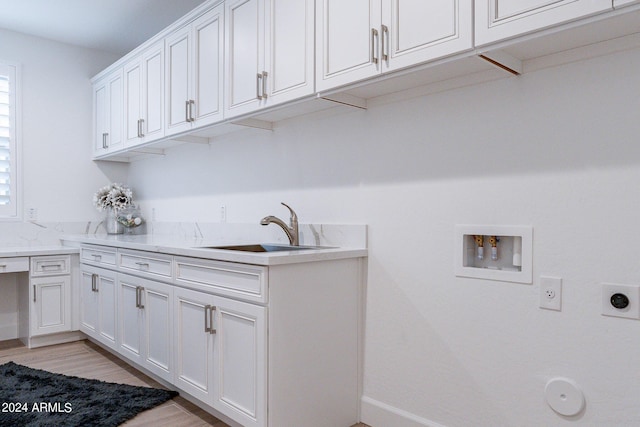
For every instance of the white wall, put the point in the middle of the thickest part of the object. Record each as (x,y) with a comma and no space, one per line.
(59,177)
(556,149)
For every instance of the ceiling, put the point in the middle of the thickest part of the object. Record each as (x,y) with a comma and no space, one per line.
(115,26)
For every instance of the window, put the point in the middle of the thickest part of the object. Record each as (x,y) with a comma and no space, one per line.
(8,142)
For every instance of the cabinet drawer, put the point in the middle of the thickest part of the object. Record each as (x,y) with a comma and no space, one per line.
(145,263)
(50,265)
(10,265)
(247,282)
(99,255)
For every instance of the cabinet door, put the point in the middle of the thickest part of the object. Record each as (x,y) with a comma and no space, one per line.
(152,126)
(114,138)
(416,31)
(501,19)
(208,56)
(240,361)
(244,47)
(130,319)
(156,301)
(108,114)
(193,343)
(50,310)
(106,289)
(178,73)
(289,49)
(100,119)
(347,41)
(133,101)
(89,302)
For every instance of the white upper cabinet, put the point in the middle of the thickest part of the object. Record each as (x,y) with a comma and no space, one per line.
(362,38)
(501,19)
(289,50)
(108,114)
(194,69)
(144,96)
(347,42)
(415,31)
(268,53)
(244,44)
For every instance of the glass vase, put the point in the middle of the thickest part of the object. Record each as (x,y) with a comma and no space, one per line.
(111,224)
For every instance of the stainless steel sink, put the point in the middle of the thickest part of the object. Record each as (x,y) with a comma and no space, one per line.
(263,248)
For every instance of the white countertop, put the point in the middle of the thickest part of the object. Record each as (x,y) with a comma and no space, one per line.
(19,251)
(194,248)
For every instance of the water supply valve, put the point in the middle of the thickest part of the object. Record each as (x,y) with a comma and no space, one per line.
(479,246)
(493,241)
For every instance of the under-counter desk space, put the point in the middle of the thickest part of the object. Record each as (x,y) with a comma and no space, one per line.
(36,294)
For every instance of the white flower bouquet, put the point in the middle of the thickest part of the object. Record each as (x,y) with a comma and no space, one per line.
(115,196)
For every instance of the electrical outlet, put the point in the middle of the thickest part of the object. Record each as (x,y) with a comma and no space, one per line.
(621,300)
(551,293)
(32,214)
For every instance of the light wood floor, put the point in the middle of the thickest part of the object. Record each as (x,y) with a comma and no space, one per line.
(87,360)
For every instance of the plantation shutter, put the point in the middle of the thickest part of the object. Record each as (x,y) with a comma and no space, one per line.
(8,164)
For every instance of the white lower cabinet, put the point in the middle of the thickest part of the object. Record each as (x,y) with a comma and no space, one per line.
(220,354)
(99,303)
(262,345)
(145,323)
(44,298)
(50,305)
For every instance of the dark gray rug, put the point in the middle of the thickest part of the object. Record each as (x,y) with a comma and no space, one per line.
(32,397)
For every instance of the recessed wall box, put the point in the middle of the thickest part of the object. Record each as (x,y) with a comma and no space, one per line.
(513,245)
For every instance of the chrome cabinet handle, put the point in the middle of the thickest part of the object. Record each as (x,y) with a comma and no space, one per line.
(94,282)
(258,86)
(264,84)
(374,45)
(211,310)
(139,290)
(192,103)
(34,293)
(142,265)
(141,128)
(138,128)
(385,46)
(208,318)
(104,140)
(207,328)
(186,111)
(96,257)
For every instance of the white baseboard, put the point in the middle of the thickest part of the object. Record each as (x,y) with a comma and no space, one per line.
(52,339)
(379,414)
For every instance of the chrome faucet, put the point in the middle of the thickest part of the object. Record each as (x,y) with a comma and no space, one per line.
(291,230)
